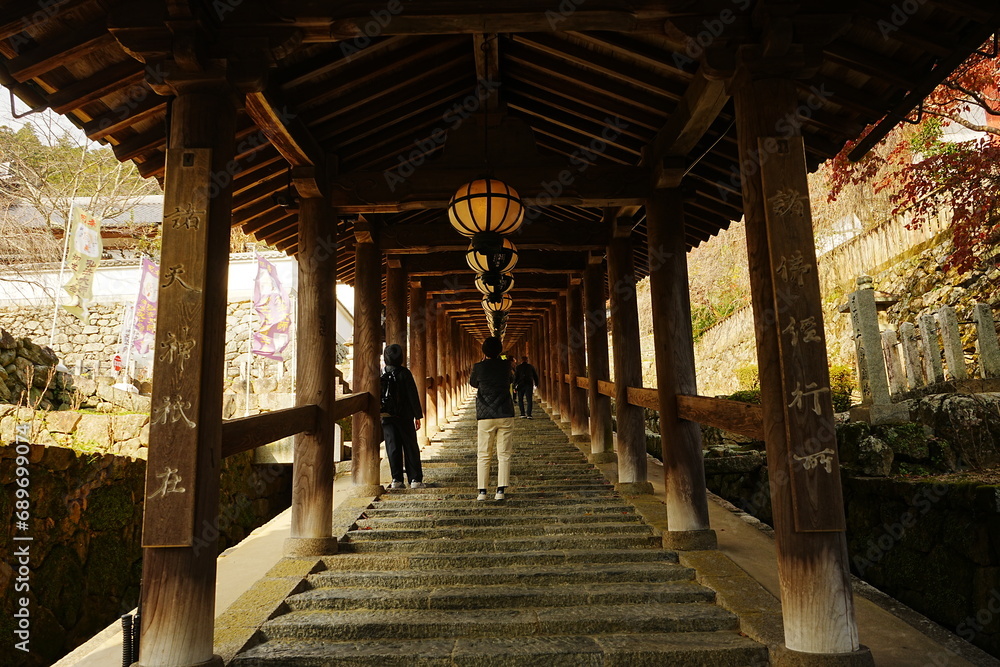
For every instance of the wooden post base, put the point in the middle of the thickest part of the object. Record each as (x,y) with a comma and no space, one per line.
(215,661)
(310,546)
(603,457)
(368,490)
(634,488)
(690,540)
(788,658)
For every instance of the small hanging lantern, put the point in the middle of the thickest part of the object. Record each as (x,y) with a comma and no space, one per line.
(496,262)
(497,303)
(485,210)
(494,283)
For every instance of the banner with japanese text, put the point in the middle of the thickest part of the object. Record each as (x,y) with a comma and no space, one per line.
(83,255)
(272,305)
(144,331)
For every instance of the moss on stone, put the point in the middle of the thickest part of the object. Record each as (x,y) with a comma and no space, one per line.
(56,584)
(109,565)
(110,507)
(909,441)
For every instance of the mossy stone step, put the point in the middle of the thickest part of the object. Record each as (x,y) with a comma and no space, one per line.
(498,532)
(499,596)
(620,557)
(506,623)
(413,522)
(690,649)
(501,546)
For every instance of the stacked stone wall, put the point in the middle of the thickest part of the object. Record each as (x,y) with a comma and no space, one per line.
(85,521)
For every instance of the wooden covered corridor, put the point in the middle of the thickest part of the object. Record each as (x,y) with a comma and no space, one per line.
(632,130)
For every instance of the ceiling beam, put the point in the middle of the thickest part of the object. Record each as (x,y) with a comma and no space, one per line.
(486,49)
(532,261)
(538,234)
(695,113)
(284,130)
(428,187)
(323,21)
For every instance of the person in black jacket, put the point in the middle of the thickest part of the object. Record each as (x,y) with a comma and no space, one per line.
(525,381)
(495,416)
(400,429)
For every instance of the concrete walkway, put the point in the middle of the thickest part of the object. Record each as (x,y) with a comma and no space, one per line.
(896,635)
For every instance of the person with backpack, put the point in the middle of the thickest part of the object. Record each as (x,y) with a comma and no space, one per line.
(492,378)
(401,417)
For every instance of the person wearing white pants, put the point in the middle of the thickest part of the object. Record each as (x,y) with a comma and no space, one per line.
(495,415)
(495,432)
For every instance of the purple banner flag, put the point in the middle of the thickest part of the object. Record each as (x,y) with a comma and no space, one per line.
(274,319)
(144,332)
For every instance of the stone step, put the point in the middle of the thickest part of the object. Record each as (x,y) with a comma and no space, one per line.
(533,575)
(514,504)
(689,649)
(498,532)
(500,546)
(469,520)
(539,559)
(468,493)
(505,623)
(504,509)
(503,596)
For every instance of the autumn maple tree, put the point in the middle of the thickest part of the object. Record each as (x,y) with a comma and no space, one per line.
(926,171)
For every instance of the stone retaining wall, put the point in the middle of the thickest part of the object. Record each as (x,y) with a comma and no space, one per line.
(85,520)
(933,544)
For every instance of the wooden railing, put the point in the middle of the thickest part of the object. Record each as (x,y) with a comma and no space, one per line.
(245,433)
(733,416)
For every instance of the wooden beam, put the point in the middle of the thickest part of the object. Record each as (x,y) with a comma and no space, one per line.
(695,113)
(61,50)
(284,130)
(246,433)
(529,261)
(92,88)
(428,187)
(486,49)
(323,22)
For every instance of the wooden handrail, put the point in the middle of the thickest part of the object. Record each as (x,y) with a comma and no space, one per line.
(346,406)
(733,416)
(245,433)
(644,397)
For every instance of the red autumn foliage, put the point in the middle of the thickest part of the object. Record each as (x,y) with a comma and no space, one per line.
(926,172)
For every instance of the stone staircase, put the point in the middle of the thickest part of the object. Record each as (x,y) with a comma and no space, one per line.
(562,572)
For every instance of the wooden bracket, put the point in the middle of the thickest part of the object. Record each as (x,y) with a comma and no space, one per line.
(364,232)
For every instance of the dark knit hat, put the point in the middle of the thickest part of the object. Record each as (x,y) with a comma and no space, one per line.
(492,347)
(393,355)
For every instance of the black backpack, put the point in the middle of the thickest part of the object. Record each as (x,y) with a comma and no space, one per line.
(389,392)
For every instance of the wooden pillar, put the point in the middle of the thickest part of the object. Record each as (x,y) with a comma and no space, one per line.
(598,366)
(367,425)
(806,497)
(418,351)
(442,366)
(180,522)
(430,367)
(673,342)
(551,346)
(454,353)
(577,340)
(315,383)
(562,358)
(628,366)
(395,305)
